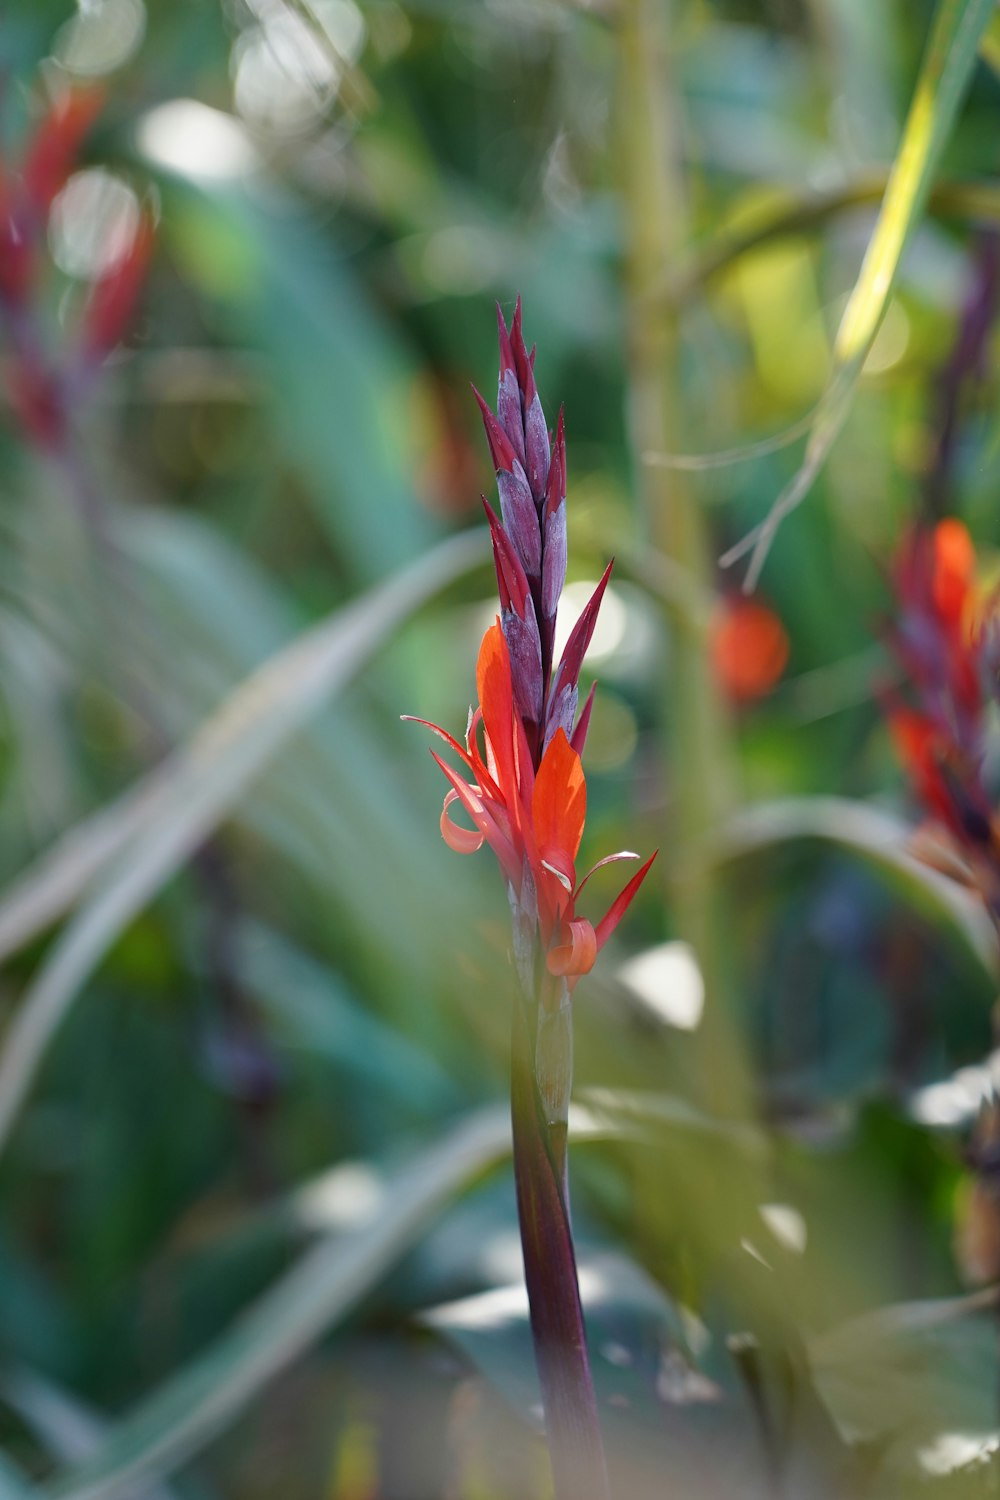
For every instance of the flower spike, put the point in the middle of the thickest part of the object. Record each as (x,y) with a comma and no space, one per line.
(520,783)
(526,791)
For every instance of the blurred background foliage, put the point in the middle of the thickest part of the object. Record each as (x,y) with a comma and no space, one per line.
(257,1230)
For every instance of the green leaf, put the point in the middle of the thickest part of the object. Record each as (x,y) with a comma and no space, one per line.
(177,806)
(876,837)
(13,1485)
(989,47)
(341,385)
(660,1413)
(66,1427)
(957,32)
(913,1376)
(312,1008)
(329,1280)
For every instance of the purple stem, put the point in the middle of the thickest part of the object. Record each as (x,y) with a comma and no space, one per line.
(572,1425)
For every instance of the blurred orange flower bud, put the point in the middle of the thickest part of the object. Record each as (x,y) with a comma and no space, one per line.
(749,648)
(954,568)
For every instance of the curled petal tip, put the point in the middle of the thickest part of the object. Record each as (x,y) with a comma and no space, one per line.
(578,954)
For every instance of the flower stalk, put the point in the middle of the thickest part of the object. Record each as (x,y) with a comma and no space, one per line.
(523,789)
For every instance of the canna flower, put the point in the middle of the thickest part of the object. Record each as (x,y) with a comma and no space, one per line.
(943,639)
(523,788)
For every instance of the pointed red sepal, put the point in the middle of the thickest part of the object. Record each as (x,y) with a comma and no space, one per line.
(523,361)
(469,757)
(506,352)
(579,736)
(582,633)
(512,580)
(555,485)
(501,448)
(621,903)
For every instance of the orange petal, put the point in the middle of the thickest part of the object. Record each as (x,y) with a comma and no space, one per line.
(576,956)
(496,697)
(559,800)
(462,840)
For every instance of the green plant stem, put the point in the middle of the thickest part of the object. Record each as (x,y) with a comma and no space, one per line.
(699,790)
(572,1425)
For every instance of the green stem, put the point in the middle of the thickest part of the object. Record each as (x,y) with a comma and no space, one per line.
(653,208)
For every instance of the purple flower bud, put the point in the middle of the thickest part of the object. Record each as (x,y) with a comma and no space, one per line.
(536,436)
(521,518)
(509,392)
(561,709)
(525,651)
(553,561)
(517,504)
(512,581)
(536,447)
(555,484)
(519,621)
(554,526)
(501,449)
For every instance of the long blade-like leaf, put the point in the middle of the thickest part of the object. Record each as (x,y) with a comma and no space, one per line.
(956,35)
(13,1486)
(179,1418)
(876,836)
(186,798)
(65,1426)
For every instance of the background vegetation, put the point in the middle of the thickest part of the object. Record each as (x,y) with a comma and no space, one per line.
(257,1230)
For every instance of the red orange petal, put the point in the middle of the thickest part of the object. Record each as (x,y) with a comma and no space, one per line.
(559,800)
